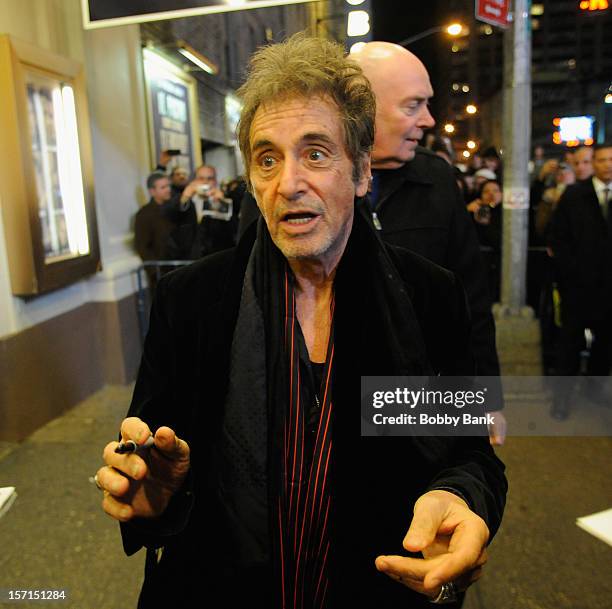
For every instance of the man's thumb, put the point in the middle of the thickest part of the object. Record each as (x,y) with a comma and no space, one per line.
(168,442)
(422,531)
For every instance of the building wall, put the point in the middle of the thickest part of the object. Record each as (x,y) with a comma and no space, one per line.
(228,40)
(57,348)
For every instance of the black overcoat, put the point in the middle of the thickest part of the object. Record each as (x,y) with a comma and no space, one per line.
(182,383)
(582,247)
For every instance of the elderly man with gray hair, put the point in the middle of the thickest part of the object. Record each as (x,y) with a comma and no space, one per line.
(258,489)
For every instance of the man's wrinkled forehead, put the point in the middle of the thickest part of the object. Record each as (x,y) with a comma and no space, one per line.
(279,109)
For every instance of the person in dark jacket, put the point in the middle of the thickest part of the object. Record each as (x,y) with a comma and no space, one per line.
(153,225)
(259,488)
(416,203)
(486,212)
(581,241)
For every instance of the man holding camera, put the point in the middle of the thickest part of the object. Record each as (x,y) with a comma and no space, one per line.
(212,212)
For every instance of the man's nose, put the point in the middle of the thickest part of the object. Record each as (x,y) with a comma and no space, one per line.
(427,120)
(290,181)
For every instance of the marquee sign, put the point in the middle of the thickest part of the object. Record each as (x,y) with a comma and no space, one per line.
(109,13)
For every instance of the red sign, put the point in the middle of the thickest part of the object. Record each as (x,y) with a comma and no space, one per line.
(494,12)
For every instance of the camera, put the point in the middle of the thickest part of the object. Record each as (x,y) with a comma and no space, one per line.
(204,190)
(483,213)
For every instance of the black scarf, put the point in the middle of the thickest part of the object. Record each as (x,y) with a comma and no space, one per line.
(377,334)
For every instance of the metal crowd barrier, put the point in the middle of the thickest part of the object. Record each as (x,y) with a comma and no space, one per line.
(160,265)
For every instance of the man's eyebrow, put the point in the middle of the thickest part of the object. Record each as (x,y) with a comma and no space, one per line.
(260,144)
(416,98)
(318,137)
(307,137)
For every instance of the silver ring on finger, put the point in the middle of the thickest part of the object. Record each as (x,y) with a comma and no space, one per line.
(447,594)
(97,482)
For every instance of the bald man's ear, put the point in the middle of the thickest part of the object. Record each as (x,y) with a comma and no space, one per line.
(361,188)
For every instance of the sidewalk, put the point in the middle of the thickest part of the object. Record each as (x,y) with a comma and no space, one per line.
(56,535)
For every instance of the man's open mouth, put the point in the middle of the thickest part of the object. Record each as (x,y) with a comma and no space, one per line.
(297,218)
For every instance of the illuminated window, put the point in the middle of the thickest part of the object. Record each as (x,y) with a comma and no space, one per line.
(58,176)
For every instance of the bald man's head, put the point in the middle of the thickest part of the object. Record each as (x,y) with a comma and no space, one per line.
(402,87)
(582,162)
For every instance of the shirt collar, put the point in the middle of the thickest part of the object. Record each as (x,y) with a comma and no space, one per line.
(599,185)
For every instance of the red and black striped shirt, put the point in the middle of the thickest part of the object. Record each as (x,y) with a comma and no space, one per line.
(304,500)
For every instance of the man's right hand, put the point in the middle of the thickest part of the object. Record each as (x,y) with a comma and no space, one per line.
(547,169)
(164,158)
(141,484)
(191,189)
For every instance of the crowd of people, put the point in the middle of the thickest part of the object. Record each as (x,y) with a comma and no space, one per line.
(358,253)
(185,220)
(570,255)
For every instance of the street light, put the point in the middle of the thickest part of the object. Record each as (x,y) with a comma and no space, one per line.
(449,128)
(594,5)
(196,58)
(471,109)
(358,23)
(454,29)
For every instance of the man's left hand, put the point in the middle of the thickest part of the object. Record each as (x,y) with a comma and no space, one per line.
(216,193)
(452,540)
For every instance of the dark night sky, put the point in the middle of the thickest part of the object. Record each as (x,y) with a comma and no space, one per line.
(396,20)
